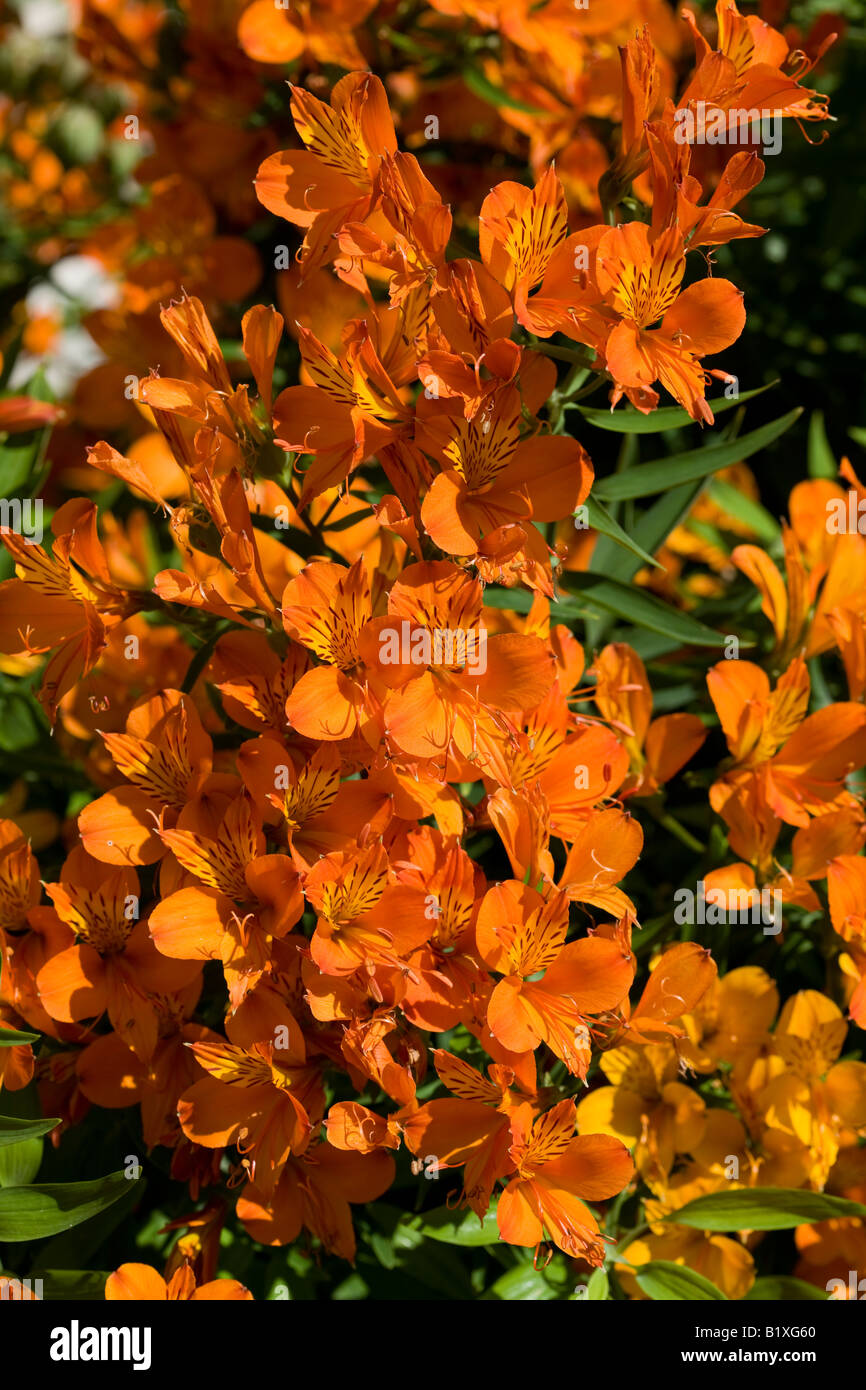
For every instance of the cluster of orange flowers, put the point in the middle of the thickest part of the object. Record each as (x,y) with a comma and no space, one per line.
(304,800)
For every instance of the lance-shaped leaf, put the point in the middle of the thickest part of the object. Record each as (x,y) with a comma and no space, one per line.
(31,1213)
(665,1282)
(14,1131)
(661,474)
(762,1209)
(668,417)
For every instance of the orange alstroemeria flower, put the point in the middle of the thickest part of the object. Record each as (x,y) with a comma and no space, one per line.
(519,934)
(797,764)
(494,478)
(419,226)
(557,1173)
(320,811)
(677,193)
(314,1191)
(262,1098)
(657,748)
(109,962)
(326,609)
(571,763)
(351,410)
(64,602)
(167,756)
(240,901)
(745,71)
(443,670)
(334,180)
(523,238)
(364,917)
(640,276)
(820,599)
(445,971)
(137,1283)
(471,1128)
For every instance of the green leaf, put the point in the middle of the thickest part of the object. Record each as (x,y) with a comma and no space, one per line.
(597,593)
(456,1227)
(522,1284)
(598,1288)
(13,1131)
(19,1163)
(673,417)
(63,1284)
(782,1288)
(662,474)
(345,523)
(820,458)
(18,724)
(656,524)
(496,96)
(74,1247)
(650,532)
(745,509)
(601,521)
(16,464)
(668,1283)
(762,1209)
(636,606)
(10,1037)
(31,1213)
(79,133)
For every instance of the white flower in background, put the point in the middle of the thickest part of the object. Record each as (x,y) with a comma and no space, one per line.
(74,286)
(44,19)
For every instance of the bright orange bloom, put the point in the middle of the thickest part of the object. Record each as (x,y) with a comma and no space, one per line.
(266,1099)
(107,961)
(443,672)
(657,748)
(362,917)
(520,934)
(334,181)
(326,609)
(639,276)
(315,1191)
(240,900)
(141,1284)
(472,1129)
(445,975)
(797,765)
(167,757)
(557,1173)
(493,478)
(65,602)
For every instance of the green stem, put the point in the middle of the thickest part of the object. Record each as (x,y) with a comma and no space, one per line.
(203,656)
(626,1240)
(581,358)
(587,390)
(670,823)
